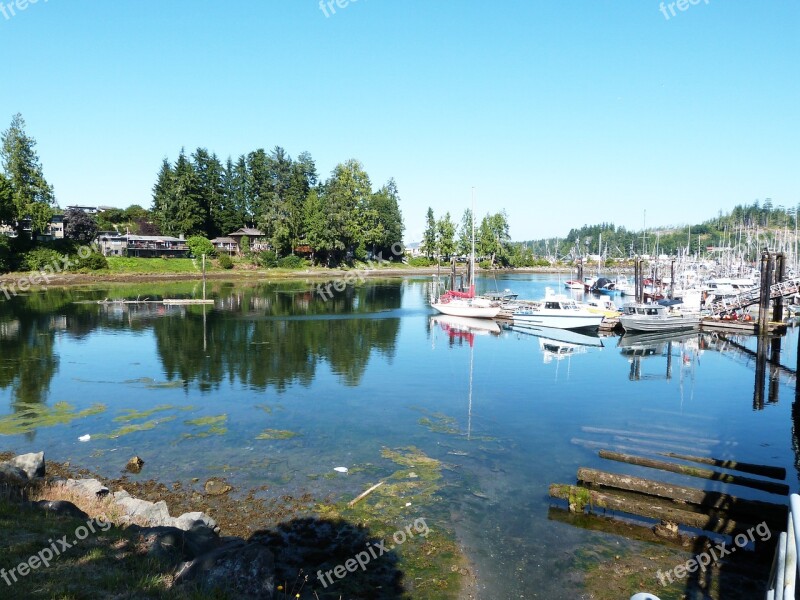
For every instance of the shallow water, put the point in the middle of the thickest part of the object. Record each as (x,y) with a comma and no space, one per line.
(273,385)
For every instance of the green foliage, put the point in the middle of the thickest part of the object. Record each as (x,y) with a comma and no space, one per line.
(93,262)
(199,245)
(485,264)
(420,261)
(225,261)
(5,254)
(445,236)
(267,259)
(291,262)
(428,245)
(39,258)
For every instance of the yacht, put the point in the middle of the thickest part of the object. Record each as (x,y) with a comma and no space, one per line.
(638,316)
(555,310)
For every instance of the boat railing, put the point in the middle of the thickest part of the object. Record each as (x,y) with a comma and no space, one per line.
(783,577)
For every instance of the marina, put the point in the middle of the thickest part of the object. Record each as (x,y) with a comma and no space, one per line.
(510,408)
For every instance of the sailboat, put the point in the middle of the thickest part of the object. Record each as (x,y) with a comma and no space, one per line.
(466,304)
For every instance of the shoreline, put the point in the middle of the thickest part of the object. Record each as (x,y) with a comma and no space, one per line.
(79,279)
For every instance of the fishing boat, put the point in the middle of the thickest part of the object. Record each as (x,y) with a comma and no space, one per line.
(637,316)
(555,310)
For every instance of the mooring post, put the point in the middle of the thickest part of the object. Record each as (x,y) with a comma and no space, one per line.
(780,275)
(760,373)
(766,282)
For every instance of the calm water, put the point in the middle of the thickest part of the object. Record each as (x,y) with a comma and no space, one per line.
(509,412)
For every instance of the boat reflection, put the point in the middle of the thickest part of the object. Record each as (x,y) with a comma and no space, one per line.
(558,344)
(637,346)
(465,328)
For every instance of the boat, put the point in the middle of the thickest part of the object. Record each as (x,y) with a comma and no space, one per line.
(573,284)
(638,316)
(602,306)
(560,336)
(603,285)
(555,310)
(465,304)
(624,286)
(465,326)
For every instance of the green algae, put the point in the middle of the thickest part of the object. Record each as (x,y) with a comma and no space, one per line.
(32,416)
(135,415)
(213,426)
(277,434)
(134,428)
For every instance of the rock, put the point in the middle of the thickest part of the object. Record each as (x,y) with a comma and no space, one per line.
(174,545)
(86,487)
(215,487)
(12,475)
(247,570)
(32,464)
(61,508)
(188,521)
(134,465)
(152,513)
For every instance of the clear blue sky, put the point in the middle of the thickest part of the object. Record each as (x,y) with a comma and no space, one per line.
(562,112)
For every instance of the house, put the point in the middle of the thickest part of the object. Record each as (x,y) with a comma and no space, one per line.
(256,237)
(226,244)
(149,246)
(54,230)
(112,243)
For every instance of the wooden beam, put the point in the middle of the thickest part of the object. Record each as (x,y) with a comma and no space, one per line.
(732,465)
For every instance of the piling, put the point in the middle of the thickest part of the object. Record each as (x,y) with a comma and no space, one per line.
(766,282)
(780,275)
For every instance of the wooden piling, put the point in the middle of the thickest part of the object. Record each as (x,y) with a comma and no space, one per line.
(757,484)
(733,465)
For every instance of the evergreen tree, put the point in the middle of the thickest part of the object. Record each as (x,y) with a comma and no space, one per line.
(164,200)
(189,214)
(428,246)
(32,195)
(211,193)
(445,236)
(464,244)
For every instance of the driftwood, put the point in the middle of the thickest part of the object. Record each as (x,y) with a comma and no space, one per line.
(695,499)
(364,494)
(658,436)
(650,507)
(733,465)
(767,486)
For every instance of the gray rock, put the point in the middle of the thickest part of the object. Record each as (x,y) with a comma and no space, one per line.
(32,464)
(214,487)
(86,487)
(247,570)
(188,521)
(12,475)
(153,513)
(173,545)
(62,508)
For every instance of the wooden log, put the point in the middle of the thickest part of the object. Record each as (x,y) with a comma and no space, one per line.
(657,436)
(364,494)
(733,465)
(750,510)
(653,508)
(767,486)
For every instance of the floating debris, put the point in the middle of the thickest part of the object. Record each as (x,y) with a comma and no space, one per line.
(84,438)
(341,469)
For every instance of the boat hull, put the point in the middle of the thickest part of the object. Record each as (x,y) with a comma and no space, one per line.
(558,321)
(676,323)
(458,309)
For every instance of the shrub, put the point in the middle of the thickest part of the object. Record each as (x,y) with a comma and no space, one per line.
(291,262)
(94,262)
(485,264)
(420,261)
(38,258)
(267,259)
(5,254)
(225,261)
(200,245)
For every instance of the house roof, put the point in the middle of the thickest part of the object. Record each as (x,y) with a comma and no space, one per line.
(153,238)
(223,240)
(247,231)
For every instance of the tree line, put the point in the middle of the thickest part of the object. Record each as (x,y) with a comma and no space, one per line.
(443,239)
(339,219)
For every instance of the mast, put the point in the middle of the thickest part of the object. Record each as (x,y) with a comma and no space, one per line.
(472,256)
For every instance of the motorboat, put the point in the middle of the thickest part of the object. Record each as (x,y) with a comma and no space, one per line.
(603,285)
(602,306)
(555,310)
(573,284)
(637,316)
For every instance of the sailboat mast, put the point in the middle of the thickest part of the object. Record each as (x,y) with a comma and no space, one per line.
(472,255)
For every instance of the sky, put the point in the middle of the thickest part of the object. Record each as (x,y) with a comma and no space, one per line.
(562,113)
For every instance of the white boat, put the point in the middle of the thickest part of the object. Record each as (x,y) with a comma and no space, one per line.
(465,325)
(573,284)
(555,310)
(655,317)
(602,306)
(466,304)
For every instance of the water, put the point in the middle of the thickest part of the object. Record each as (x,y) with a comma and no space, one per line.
(337,381)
